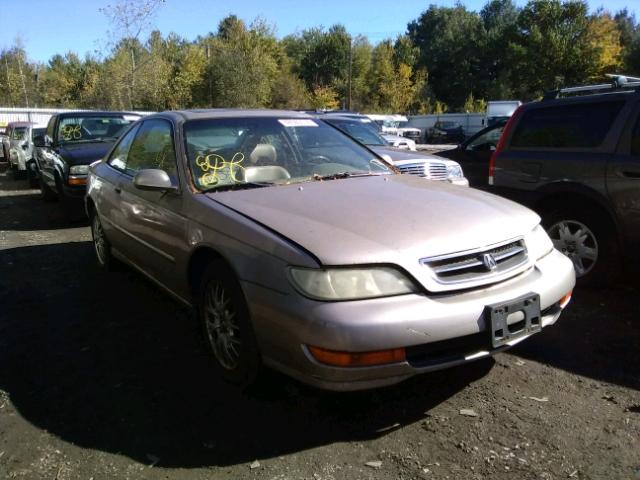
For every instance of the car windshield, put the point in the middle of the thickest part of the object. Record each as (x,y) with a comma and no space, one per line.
(19,133)
(261,151)
(362,131)
(93,128)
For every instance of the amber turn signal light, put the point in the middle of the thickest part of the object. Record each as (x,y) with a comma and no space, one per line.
(357,359)
(565,300)
(77,180)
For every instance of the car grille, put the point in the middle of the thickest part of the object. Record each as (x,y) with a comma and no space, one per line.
(431,170)
(481,264)
(411,135)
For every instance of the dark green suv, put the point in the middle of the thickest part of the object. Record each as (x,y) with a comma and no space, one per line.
(574,157)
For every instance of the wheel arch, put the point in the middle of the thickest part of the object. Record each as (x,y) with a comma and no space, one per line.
(557,195)
(198,262)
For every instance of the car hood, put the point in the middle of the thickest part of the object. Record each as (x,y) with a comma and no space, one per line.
(381,219)
(399,155)
(84,153)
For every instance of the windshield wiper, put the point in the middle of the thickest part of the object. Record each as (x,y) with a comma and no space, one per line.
(335,176)
(89,140)
(237,186)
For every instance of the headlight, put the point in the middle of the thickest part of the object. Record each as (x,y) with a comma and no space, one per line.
(454,171)
(79,170)
(350,283)
(538,243)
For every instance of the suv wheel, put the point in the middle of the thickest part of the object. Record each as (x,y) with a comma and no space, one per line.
(589,241)
(226,324)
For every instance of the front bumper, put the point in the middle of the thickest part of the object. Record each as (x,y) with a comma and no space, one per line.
(18,160)
(453,324)
(75,191)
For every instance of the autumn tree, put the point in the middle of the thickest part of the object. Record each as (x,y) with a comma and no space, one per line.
(129,20)
(551,47)
(604,38)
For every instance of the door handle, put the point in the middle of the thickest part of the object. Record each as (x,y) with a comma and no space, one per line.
(118,190)
(631,173)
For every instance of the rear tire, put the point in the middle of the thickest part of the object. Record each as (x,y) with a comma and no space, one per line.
(32,175)
(589,240)
(226,324)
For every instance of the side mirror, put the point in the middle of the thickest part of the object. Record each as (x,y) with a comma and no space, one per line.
(484,147)
(153,179)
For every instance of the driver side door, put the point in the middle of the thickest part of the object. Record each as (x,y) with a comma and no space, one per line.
(153,220)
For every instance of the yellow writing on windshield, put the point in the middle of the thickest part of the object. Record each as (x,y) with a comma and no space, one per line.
(218,170)
(71,132)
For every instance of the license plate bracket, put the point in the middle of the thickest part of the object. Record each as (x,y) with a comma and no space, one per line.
(516,318)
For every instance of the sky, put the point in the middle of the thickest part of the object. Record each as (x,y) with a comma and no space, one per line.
(47,27)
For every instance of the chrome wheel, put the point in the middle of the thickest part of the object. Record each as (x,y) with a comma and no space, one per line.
(577,242)
(99,240)
(221,326)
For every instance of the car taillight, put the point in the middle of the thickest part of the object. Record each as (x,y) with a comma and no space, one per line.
(500,146)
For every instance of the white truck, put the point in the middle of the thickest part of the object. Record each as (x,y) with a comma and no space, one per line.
(500,110)
(396,125)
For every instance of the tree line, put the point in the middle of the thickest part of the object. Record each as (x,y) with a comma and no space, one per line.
(449,59)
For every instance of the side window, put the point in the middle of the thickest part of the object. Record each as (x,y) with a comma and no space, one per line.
(153,148)
(635,139)
(118,158)
(583,125)
(487,139)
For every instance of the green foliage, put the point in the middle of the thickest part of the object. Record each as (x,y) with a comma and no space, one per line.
(450,58)
(450,41)
(474,105)
(552,47)
(323,97)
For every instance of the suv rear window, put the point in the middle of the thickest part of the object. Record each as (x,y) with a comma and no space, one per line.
(582,125)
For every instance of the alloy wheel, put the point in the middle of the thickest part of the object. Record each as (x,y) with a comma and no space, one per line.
(577,242)
(99,240)
(221,326)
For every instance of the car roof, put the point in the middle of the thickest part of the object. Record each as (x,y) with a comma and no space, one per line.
(346,118)
(211,113)
(20,123)
(588,98)
(96,113)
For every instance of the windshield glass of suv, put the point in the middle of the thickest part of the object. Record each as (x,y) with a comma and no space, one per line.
(361,131)
(92,128)
(267,150)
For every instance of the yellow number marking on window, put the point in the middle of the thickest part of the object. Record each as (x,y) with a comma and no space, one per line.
(71,132)
(218,170)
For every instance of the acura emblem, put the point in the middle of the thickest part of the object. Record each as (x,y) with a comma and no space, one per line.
(489,262)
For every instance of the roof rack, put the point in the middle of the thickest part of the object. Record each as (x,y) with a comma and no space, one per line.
(618,82)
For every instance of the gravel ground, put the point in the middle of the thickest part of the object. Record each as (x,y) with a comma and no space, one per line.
(102,376)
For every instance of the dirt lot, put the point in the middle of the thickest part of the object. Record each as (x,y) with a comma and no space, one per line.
(102,377)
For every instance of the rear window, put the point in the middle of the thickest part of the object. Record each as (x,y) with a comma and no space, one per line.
(566,126)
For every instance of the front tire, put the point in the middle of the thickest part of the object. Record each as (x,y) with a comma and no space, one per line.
(589,240)
(101,245)
(226,324)
(46,193)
